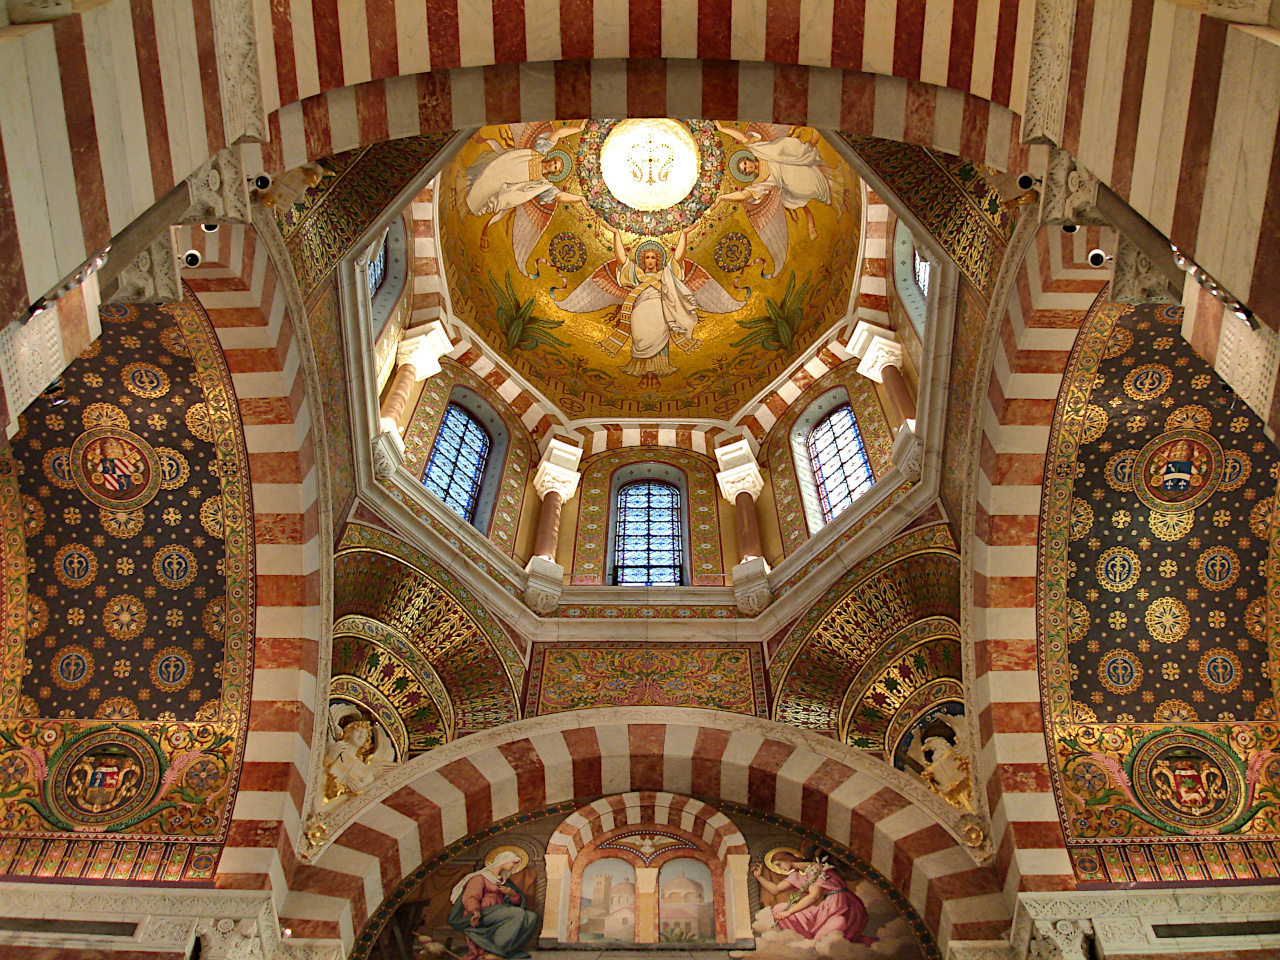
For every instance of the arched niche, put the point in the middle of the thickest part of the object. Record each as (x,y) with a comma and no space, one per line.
(635,835)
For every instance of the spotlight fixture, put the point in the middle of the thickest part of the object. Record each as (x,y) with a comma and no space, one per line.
(1070,227)
(1214,288)
(192,258)
(1027,181)
(261,181)
(1098,257)
(210,227)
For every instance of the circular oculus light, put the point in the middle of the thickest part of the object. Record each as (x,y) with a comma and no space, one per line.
(649,163)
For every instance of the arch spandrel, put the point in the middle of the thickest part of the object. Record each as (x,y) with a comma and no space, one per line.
(875,812)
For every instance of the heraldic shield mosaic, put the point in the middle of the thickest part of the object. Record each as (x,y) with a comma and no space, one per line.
(1158,603)
(126,528)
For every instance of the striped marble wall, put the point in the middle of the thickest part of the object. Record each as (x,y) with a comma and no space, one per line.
(245,298)
(1053,291)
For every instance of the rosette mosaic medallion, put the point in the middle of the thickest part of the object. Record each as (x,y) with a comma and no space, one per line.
(1155,629)
(127,531)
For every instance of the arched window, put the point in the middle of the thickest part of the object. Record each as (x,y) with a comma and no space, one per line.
(378,266)
(922,268)
(458,460)
(648,543)
(839,458)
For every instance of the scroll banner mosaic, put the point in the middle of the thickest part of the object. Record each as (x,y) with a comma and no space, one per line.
(706,559)
(620,674)
(123,716)
(1158,600)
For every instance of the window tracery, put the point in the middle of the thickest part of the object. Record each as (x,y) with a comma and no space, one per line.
(458,460)
(838,456)
(648,540)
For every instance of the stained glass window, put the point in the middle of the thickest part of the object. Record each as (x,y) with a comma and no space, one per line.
(839,459)
(378,267)
(457,462)
(922,268)
(647,543)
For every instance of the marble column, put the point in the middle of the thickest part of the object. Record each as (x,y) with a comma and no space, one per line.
(882,362)
(418,357)
(740,483)
(555,482)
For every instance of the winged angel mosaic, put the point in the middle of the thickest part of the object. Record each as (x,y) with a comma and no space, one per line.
(651,243)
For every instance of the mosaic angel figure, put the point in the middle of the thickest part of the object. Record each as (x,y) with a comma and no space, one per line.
(658,301)
(788,174)
(519,178)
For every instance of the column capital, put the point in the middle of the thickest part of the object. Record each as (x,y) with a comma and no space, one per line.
(422,347)
(558,470)
(862,336)
(1069,193)
(738,471)
(880,352)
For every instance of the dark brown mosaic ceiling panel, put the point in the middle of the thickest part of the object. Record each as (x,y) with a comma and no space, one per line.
(1168,537)
(123,519)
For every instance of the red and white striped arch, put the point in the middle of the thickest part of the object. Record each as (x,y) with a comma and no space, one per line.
(313,47)
(239,288)
(1053,292)
(652,809)
(467,785)
(864,103)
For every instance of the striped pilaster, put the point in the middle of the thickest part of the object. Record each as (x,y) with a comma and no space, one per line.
(1053,292)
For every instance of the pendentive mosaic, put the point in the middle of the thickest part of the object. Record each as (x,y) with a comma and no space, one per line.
(1154,619)
(126,720)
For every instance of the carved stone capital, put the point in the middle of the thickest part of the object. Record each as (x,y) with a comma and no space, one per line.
(1069,193)
(422,347)
(235,39)
(862,336)
(746,477)
(879,352)
(1051,39)
(908,453)
(544,586)
(751,586)
(1135,279)
(738,470)
(1259,12)
(151,277)
(388,452)
(38,11)
(558,470)
(229,939)
(1061,940)
(218,191)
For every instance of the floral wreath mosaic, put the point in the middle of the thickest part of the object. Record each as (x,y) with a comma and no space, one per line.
(143,783)
(595,513)
(1163,755)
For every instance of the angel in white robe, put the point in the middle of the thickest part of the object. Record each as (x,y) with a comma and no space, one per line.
(516,179)
(788,174)
(658,301)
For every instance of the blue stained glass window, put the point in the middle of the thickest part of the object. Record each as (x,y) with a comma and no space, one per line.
(457,462)
(922,268)
(840,464)
(648,547)
(378,267)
